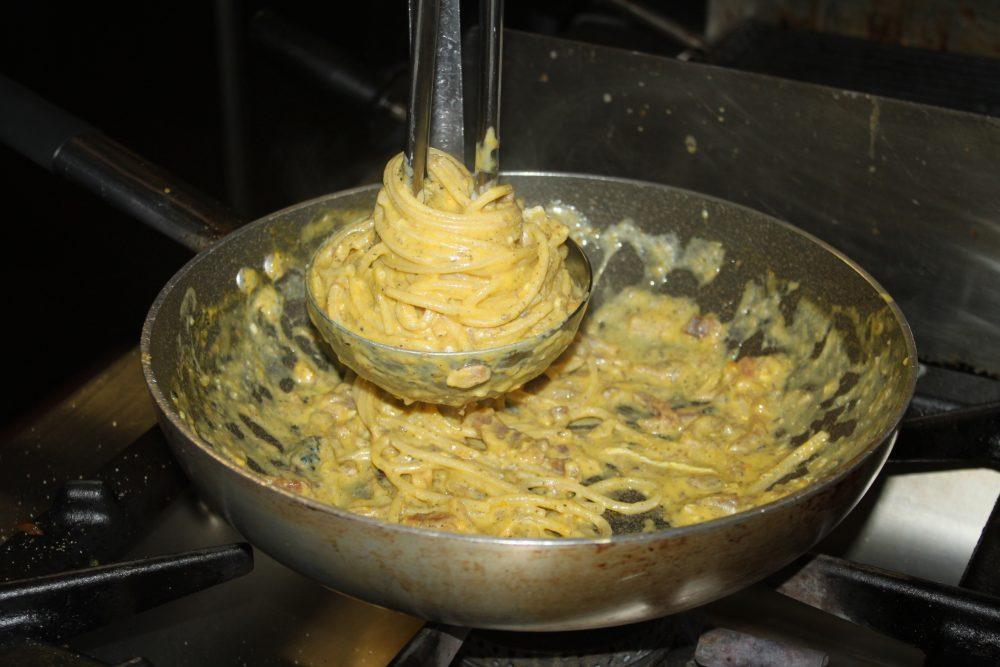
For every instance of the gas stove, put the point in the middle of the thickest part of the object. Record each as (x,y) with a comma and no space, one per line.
(855,607)
(109,558)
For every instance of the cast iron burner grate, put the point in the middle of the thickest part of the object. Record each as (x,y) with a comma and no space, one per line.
(674,641)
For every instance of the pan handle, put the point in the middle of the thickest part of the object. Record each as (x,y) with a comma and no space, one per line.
(66,145)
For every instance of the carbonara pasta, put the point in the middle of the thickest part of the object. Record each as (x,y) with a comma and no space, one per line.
(649,420)
(448,269)
(660,414)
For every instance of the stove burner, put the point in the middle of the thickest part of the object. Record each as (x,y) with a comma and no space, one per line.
(635,645)
(722,647)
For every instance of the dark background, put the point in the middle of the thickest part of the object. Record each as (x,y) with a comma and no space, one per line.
(80,275)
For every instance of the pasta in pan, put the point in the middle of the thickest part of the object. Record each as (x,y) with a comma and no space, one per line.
(656,416)
(638,401)
(649,420)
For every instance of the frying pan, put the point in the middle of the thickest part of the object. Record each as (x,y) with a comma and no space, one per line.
(469,580)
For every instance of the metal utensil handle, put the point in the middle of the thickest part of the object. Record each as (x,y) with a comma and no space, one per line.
(448,111)
(491,49)
(448,99)
(423,44)
(66,145)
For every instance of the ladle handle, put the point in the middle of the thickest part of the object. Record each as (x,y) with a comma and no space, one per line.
(423,44)
(448,116)
(70,147)
(487,166)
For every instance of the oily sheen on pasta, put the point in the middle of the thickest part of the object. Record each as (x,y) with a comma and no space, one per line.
(447,269)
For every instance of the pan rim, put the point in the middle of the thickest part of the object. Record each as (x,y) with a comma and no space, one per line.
(166,410)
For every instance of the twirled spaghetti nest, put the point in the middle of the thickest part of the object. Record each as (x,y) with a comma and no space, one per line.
(447,269)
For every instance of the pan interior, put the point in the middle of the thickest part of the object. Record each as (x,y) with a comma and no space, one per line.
(242,306)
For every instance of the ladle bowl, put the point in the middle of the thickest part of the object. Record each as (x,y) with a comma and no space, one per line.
(453,378)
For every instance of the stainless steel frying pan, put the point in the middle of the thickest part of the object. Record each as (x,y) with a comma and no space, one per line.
(558,584)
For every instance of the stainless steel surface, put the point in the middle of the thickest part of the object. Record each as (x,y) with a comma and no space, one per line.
(490,582)
(490,60)
(924,523)
(908,191)
(72,438)
(423,44)
(448,118)
(272,616)
(427,377)
(970,26)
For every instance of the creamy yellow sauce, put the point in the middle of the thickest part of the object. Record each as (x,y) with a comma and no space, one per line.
(486,151)
(651,419)
(647,421)
(660,414)
(447,269)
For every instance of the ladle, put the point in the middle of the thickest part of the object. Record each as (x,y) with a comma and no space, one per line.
(453,378)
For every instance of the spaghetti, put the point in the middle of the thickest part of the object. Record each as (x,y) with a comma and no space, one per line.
(447,269)
(632,426)
(649,420)
(658,415)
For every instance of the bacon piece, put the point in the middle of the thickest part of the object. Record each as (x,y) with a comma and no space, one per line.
(293,485)
(699,326)
(663,421)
